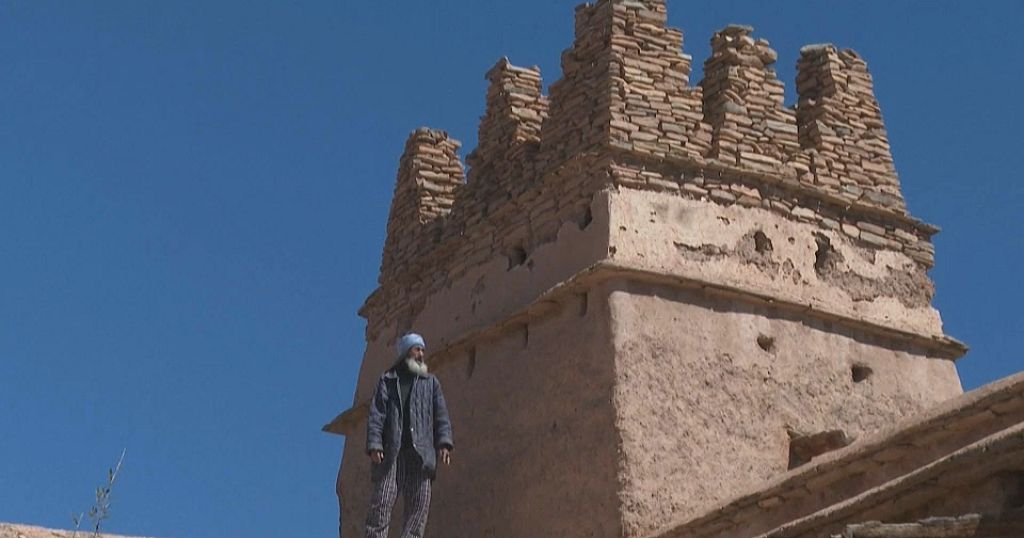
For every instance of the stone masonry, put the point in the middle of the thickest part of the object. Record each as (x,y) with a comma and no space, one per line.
(645,298)
(743,101)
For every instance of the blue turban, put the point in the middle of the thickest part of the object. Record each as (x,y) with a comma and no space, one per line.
(407,342)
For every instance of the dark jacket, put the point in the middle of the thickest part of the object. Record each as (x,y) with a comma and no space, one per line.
(428,419)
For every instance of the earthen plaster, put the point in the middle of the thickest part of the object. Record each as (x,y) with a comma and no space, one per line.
(521,403)
(647,292)
(713,243)
(705,412)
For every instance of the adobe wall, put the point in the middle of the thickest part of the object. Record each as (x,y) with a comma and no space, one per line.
(624,115)
(485,292)
(536,448)
(693,220)
(530,400)
(757,249)
(705,411)
(879,470)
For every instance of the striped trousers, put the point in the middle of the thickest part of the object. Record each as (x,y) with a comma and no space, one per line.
(405,476)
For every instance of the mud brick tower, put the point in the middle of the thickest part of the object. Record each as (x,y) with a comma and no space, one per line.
(648,298)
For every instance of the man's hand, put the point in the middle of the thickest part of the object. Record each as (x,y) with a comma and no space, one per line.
(377,456)
(446,455)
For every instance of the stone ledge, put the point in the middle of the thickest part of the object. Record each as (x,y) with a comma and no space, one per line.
(966,526)
(968,465)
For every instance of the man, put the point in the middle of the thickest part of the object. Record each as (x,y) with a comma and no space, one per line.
(407,431)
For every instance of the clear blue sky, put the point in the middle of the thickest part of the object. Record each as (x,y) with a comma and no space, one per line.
(193,198)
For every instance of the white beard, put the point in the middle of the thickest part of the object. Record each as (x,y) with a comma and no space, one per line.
(416,367)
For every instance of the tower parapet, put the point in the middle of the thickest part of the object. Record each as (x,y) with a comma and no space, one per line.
(680,286)
(654,110)
(841,127)
(625,85)
(743,101)
(503,162)
(429,174)
(574,125)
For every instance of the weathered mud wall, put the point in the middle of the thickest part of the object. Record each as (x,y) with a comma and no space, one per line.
(759,250)
(711,391)
(536,447)
(649,296)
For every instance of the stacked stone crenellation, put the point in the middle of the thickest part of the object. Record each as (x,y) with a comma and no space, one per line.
(503,164)
(584,87)
(429,174)
(623,115)
(744,102)
(654,110)
(841,128)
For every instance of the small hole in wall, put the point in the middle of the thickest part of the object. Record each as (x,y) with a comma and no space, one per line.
(612,251)
(860,373)
(584,302)
(823,256)
(1014,487)
(585,218)
(805,447)
(761,242)
(765,342)
(471,363)
(516,257)
(526,335)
